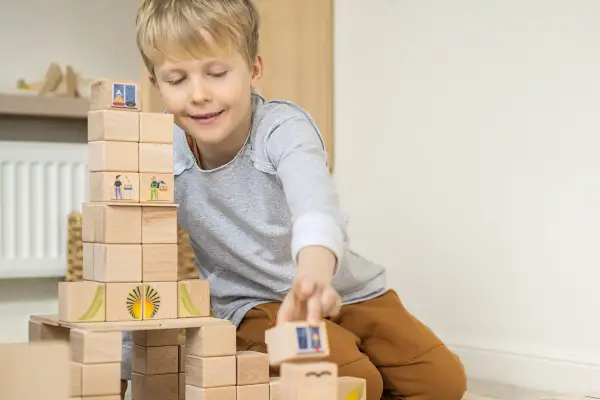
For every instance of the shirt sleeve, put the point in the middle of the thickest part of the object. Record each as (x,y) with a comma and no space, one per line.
(297,152)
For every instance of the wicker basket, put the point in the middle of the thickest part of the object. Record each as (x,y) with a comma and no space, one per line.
(185,257)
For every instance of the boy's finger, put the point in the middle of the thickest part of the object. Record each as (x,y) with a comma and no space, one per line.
(314,310)
(285,313)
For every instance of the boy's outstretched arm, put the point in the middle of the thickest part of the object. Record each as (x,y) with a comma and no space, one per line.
(300,159)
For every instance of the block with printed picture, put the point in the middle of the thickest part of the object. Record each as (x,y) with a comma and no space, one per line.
(156,188)
(114,187)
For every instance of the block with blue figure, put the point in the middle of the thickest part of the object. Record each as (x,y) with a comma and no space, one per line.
(297,341)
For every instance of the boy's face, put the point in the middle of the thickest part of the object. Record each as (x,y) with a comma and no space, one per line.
(209,98)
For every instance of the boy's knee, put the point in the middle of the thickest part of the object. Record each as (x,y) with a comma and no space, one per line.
(447,379)
(363,368)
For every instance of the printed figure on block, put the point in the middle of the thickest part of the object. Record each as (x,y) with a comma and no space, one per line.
(296,341)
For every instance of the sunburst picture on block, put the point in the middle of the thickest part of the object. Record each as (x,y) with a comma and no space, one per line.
(151,302)
(134,302)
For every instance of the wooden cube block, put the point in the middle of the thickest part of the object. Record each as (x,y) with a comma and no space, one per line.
(255,392)
(114,125)
(113,156)
(114,187)
(309,380)
(100,379)
(75,375)
(275,388)
(215,393)
(252,368)
(211,341)
(88,261)
(39,331)
(89,347)
(34,371)
(155,360)
(124,301)
(115,95)
(350,387)
(118,224)
(160,300)
(81,301)
(194,298)
(156,127)
(156,158)
(154,387)
(159,262)
(157,188)
(159,225)
(158,337)
(210,371)
(295,341)
(117,262)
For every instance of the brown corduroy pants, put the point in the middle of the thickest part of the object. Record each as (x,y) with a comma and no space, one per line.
(378,340)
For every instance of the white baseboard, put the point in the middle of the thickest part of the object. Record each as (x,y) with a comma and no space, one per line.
(529,371)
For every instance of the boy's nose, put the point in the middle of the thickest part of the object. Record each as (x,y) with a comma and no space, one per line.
(200,94)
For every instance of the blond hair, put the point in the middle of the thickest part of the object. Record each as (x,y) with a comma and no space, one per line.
(180,29)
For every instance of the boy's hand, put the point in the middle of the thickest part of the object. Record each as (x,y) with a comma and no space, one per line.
(312,296)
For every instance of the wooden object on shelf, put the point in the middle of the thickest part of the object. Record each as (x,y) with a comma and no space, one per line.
(28,105)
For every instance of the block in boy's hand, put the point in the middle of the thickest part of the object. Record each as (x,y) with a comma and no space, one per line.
(157,188)
(159,224)
(113,125)
(156,127)
(115,95)
(114,187)
(81,301)
(156,158)
(297,341)
(194,298)
(111,156)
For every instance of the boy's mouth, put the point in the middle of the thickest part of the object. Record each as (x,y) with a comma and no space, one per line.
(206,118)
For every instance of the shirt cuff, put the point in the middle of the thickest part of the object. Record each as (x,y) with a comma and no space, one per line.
(318,229)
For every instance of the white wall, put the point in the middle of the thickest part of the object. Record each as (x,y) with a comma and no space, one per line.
(466,142)
(467,137)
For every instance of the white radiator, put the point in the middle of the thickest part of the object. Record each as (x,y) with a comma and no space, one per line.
(40,184)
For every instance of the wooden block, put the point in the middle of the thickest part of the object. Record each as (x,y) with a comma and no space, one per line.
(115,95)
(160,300)
(157,188)
(350,387)
(255,392)
(154,387)
(124,301)
(88,261)
(88,222)
(88,347)
(210,371)
(182,353)
(159,225)
(159,262)
(181,386)
(114,125)
(159,337)
(112,156)
(156,127)
(39,331)
(156,158)
(252,368)
(194,298)
(81,301)
(75,376)
(37,370)
(117,262)
(100,379)
(118,224)
(309,380)
(211,341)
(216,393)
(155,360)
(114,187)
(296,341)
(275,388)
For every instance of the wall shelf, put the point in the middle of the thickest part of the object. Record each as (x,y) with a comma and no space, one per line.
(31,105)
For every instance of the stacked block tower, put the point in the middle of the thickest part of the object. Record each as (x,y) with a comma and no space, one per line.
(130,283)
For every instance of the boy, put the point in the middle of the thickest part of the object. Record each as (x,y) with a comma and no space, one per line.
(256,197)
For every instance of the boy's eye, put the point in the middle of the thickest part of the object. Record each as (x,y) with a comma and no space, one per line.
(176,81)
(218,74)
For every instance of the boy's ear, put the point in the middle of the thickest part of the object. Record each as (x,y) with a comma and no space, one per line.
(257,69)
(152,80)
